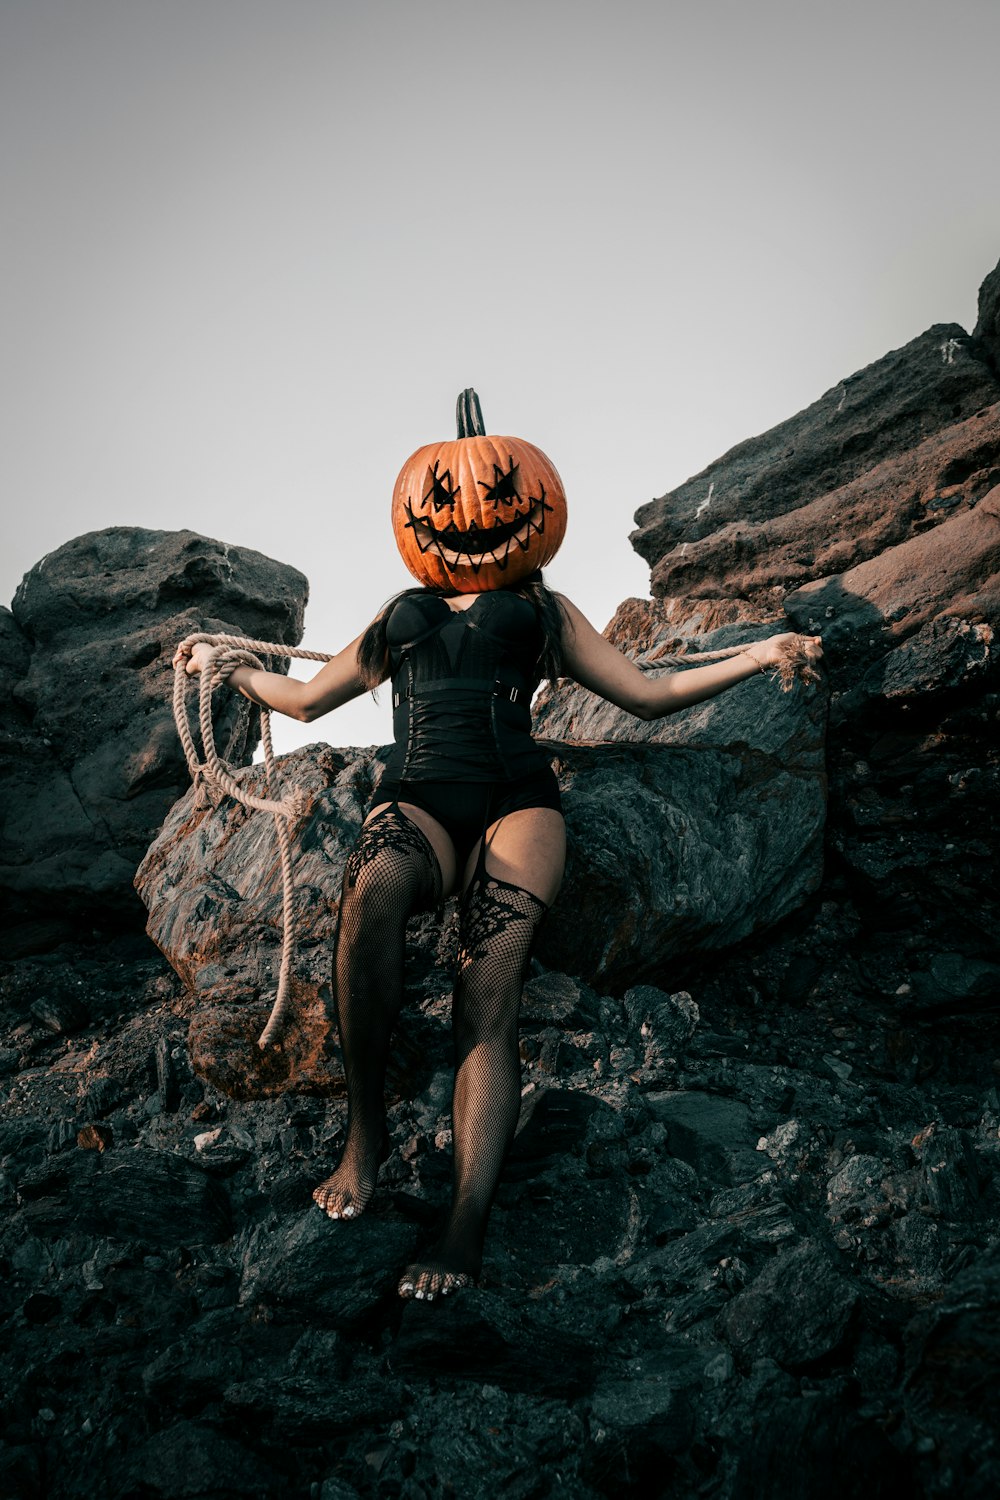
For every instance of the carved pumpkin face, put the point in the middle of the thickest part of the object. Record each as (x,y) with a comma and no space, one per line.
(479,512)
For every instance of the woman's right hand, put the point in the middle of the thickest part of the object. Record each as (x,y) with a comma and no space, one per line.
(195,658)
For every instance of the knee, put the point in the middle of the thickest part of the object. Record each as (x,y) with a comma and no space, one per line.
(495,968)
(488,1020)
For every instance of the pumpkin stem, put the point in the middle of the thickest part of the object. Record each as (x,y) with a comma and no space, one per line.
(470,415)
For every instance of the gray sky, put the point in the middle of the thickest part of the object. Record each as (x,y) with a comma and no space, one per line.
(252,252)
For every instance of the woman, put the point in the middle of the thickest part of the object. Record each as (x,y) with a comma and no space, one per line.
(468,803)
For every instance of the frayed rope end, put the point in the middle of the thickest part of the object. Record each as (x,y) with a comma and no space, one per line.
(793,663)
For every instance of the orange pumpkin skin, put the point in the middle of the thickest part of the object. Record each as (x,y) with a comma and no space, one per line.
(478,512)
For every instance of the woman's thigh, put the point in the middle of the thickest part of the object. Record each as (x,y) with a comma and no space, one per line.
(437,837)
(526,848)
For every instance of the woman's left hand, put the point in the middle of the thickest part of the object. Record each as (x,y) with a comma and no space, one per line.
(773,648)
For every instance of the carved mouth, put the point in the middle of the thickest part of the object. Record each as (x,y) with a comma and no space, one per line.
(479,544)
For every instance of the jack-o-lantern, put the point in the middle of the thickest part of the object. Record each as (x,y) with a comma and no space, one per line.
(478,512)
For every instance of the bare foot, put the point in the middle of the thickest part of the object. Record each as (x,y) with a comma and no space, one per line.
(425,1280)
(345,1193)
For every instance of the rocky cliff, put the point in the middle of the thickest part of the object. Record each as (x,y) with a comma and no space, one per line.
(873,517)
(746,1242)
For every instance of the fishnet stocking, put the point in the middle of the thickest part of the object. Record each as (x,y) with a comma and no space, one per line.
(498,923)
(392,873)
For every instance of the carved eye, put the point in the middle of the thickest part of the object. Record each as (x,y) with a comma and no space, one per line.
(441,489)
(504,486)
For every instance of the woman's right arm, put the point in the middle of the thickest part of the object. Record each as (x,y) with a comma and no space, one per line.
(336,682)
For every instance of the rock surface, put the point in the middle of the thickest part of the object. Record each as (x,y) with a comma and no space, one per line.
(772,1195)
(89,756)
(950,575)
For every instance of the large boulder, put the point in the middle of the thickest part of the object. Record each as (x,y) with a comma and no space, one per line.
(211,882)
(673,848)
(90,761)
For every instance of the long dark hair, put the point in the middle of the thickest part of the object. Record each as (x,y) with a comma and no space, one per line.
(373,653)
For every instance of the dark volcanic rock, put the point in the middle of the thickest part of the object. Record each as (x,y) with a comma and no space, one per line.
(945,654)
(327,1388)
(656,1264)
(651,1408)
(481,1337)
(153,1196)
(712,1134)
(987,329)
(313,1408)
(89,756)
(885,409)
(192,1460)
(808,1447)
(195,1368)
(871,519)
(663,1021)
(952,1353)
(337,1272)
(553,1122)
(796,1311)
(954,981)
(673,850)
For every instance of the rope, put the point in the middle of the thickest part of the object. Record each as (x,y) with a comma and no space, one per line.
(214,778)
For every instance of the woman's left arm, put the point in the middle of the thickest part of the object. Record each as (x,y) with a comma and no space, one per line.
(597,665)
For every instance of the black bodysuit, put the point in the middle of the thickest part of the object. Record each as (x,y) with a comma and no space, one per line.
(462,683)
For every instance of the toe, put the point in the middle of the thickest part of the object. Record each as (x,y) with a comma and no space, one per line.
(426,1283)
